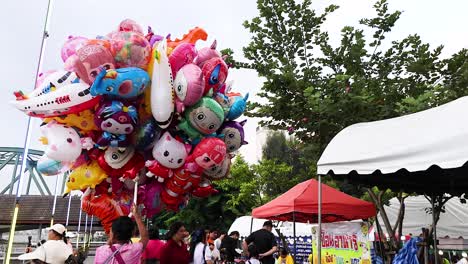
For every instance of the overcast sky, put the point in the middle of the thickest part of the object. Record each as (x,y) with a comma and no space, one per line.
(438,22)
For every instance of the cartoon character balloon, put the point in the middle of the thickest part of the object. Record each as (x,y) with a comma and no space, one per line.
(129,25)
(169,154)
(237,105)
(204,189)
(70,46)
(219,171)
(63,143)
(83,120)
(103,207)
(188,86)
(192,37)
(87,175)
(162,93)
(203,118)
(233,135)
(215,72)
(117,120)
(182,55)
(206,54)
(90,59)
(208,153)
(119,163)
(124,83)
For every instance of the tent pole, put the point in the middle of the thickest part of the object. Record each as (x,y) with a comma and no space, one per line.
(251,224)
(436,259)
(319,235)
(294,234)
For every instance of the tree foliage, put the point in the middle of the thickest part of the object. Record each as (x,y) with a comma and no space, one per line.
(314,89)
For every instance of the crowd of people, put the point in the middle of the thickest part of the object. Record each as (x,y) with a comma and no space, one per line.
(202,246)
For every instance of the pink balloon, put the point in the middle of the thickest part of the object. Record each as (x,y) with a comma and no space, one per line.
(71,46)
(42,76)
(182,55)
(130,49)
(129,25)
(150,195)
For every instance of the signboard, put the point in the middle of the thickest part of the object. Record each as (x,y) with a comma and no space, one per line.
(343,243)
(303,247)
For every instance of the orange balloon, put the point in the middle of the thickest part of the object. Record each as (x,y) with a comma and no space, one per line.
(191,37)
(103,207)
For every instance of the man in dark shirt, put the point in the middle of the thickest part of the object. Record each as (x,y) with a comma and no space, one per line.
(229,245)
(265,242)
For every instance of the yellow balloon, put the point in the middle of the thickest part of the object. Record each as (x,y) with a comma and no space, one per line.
(87,175)
(144,107)
(83,120)
(151,63)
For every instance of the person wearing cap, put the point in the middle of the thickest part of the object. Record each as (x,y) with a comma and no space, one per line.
(264,241)
(54,251)
(120,249)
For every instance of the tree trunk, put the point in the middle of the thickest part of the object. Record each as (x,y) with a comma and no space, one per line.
(390,246)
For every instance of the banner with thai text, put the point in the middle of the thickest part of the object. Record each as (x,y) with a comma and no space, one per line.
(343,243)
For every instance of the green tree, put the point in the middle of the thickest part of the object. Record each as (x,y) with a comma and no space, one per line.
(238,194)
(313,89)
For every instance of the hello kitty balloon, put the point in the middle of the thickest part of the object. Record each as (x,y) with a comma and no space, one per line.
(63,142)
(169,154)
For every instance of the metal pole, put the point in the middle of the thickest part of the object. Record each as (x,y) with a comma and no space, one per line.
(45,35)
(251,224)
(68,209)
(436,254)
(319,235)
(78,230)
(85,230)
(55,202)
(294,235)
(14,174)
(90,230)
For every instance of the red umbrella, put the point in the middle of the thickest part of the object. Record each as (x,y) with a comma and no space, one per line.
(300,204)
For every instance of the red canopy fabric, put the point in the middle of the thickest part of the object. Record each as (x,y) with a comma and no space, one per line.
(302,200)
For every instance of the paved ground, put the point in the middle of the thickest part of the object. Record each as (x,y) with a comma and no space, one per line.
(89,260)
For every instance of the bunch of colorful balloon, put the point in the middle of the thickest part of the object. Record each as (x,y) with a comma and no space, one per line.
(139,108)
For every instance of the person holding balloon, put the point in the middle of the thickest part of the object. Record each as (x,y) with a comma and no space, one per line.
(120,249)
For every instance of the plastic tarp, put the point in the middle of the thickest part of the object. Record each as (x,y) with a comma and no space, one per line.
(300,204)
(408,254)
(429,141)
(453,223)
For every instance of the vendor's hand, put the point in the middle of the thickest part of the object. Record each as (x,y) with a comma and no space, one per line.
(260,256)
(135,212)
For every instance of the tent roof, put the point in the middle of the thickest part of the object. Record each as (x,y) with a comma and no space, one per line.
(453,222)
(302,199)
(242,225)
(432,142)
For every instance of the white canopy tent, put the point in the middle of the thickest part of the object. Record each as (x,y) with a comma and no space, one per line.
(424,152)
(453,223)
(415,142)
